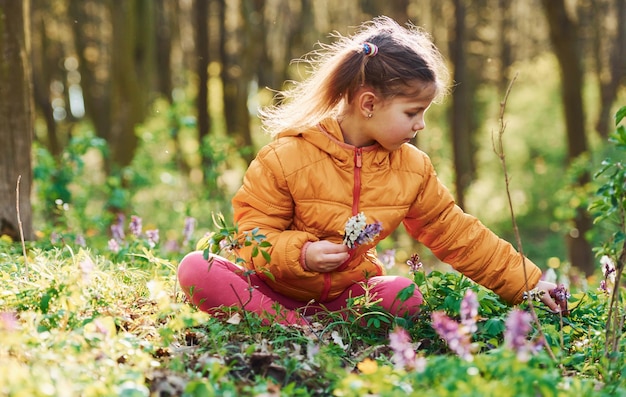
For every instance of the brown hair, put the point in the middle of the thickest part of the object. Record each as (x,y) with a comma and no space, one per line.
(405,55)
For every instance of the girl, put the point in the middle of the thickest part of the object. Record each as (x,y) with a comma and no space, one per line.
(341,149)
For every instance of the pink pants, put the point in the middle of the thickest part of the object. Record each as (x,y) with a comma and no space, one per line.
(223,284)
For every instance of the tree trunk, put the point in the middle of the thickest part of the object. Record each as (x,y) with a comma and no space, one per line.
(164,15)
(127,97)
(239,58)
(16,119)
(611,74)
(506,57)
(461,106)
(201,11)
(45,53)
(92,37)
(564,38)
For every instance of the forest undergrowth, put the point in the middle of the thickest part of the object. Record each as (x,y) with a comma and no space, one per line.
(83,316)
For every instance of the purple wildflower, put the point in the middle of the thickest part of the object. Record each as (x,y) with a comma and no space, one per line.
(80,240)
(357,231)
(369,233)
(171,246)
(414,263)
(560,296)
(469,311)
(117,229)
(388,258)
(604,287)
(190,225)
(455,335)
(518,326)
(403,351)
(114,246)
(135,225)
(55,238)
(153,237)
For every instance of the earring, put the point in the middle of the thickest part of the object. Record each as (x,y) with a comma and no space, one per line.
(369,116)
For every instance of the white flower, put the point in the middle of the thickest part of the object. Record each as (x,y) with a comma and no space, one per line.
(353,229)
(608,268)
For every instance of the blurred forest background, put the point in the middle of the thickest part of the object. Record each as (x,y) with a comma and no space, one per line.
(148,107)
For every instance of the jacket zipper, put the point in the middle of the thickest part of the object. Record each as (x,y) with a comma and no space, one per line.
(356,197)
(356,192)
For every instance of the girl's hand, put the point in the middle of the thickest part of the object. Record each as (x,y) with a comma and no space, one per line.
(324,256)
(547,286)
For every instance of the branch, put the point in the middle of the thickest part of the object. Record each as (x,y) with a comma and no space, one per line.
(498,148)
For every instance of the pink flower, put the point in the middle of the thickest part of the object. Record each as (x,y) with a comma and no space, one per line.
(87,267)
(114,246)
(8,321)
(403,351)
(456,336)
(388,258)
(117,229)
(518,326)
(414,263)
(153,237)
(560,296)
(469,311)
(135,225)
(190,225)
(80,240)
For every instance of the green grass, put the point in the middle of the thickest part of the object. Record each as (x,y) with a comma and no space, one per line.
(77,322)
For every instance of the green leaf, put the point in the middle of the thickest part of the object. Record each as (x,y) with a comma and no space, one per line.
(269,275)
(621,113)
(494,327)
(405,293)
(266,256)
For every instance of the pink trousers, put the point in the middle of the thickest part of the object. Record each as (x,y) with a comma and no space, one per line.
(212,287)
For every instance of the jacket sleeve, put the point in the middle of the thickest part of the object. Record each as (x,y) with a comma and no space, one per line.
(264,202)
(463,242)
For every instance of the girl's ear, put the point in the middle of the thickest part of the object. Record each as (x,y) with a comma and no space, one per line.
(366,100)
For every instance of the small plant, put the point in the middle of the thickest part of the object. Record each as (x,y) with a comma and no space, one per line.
(609,207)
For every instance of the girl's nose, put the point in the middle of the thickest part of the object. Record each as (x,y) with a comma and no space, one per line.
(419,124)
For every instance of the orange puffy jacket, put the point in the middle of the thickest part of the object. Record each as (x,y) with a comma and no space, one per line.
(304,185)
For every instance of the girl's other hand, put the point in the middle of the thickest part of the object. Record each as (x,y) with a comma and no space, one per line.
(547,286)
(324,256)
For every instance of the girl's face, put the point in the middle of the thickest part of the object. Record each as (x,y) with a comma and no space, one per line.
(396,121)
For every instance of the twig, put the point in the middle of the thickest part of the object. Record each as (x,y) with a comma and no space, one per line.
(19,222)
(498,148)
(615,321)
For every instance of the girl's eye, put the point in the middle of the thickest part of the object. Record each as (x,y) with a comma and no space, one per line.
(411,115)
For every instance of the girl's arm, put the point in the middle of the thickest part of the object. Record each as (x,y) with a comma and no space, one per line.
(462,241)
(264,202)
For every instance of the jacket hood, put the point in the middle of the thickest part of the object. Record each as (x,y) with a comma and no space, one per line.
(327,136)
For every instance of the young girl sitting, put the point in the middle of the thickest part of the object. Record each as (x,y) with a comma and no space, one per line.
(342,149)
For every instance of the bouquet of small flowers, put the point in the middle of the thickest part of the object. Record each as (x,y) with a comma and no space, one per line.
(358,231)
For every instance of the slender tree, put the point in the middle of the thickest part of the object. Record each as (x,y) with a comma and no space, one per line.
(460,112)
(609,55)
(16,119)
(201,15)
(565,41)
(239,56)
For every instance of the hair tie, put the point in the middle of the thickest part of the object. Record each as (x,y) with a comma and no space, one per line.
(370,49)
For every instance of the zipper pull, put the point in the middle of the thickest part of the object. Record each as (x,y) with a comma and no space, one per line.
(357,157)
